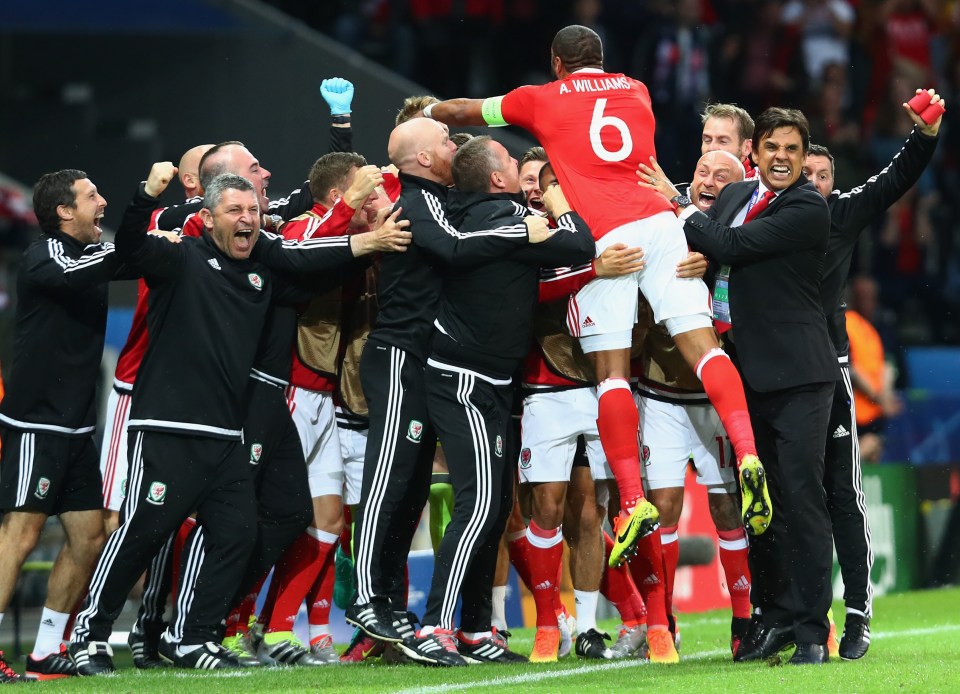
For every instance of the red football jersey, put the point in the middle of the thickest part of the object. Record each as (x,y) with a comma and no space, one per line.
(596,127)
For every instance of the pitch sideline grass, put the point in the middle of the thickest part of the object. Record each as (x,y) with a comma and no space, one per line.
(914,650)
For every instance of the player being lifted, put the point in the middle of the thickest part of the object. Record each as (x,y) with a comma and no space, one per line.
(596,127)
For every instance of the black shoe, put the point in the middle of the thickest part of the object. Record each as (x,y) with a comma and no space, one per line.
(167,648)
(590,644)
(55,666)
(491,649)
(406,624)
(751,639)
(809,654)
(209,656)
(375,619)
(772,641)
(438,648)
(739,628)
(856,637)
(91,657)
(7,674)
(144,643)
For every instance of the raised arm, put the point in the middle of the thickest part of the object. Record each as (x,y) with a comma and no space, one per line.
(460,112)
(154,256)
(854,210)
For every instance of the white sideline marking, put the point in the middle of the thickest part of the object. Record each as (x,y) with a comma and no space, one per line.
(917,632)
(621,664)
(209,675)
(551,674)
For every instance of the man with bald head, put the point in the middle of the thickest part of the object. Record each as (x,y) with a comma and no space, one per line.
(678,424)
(189,171)
(401,443)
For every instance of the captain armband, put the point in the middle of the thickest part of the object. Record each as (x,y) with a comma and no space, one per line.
(492,112)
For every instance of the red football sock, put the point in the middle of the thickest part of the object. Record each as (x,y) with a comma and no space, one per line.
(178,543)
(546,554)
(617,586)
(670,548)
(619,424)
(723,386)
(293,577)
(320,595)
(647,570)
(733,558)
(519,551)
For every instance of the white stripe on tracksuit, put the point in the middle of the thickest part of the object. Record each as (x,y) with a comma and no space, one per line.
(27,445)
(381,477)
(188,583)
(857,483)
(130,504)
(481,505)
(154,601)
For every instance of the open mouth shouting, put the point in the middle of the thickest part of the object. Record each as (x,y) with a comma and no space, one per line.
(705,199)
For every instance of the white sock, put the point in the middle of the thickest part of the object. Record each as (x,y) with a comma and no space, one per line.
(322,535)
(426,631)
(586,609)
(184,650)
(1,617)
(850,610)
(318,630)
(50,632)
(477,635)
(499,616)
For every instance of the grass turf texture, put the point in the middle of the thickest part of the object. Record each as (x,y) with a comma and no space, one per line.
(914,649)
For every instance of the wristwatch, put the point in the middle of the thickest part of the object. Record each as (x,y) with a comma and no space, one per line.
(679,201)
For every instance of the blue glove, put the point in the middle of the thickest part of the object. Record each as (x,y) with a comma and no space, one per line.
(338,93)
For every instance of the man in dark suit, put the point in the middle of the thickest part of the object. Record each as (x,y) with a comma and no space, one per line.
(770,236)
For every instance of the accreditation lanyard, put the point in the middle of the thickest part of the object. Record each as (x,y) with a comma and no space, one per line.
(721,289)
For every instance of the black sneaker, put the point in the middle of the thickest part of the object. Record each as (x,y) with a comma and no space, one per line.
(438,648)
(405,624)
(91,657)
(209,656)
(375,619)
(590,644)
(856,637)
(487,650)
(167,648)
(7,674)
(144,644)
(54,667)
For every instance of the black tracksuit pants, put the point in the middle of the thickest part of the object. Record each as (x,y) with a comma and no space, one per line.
(171,475)
(396,470)
(843,482)
(472,417)
(284,505)
(791,562)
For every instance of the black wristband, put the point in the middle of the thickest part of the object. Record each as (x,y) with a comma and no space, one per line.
(341,119)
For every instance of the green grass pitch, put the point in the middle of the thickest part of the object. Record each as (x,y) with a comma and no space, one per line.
(915,649)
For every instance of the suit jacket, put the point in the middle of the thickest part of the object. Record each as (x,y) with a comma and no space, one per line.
(776,262)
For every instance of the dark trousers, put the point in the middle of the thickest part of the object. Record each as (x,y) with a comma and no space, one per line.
(472,419)
(791,562)
(396,470)
(848,508)
(284,505)
(171,475)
